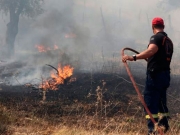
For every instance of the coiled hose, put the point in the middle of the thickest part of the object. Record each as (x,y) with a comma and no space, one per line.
(138,91)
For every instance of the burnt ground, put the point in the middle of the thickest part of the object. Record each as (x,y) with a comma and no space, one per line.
(101,101)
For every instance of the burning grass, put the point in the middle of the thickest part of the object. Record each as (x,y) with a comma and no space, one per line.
(42,48)
(63,74)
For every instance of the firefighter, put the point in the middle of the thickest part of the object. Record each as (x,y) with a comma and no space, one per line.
(158,54)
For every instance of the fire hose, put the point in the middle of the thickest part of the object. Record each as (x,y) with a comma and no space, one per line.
(138,92)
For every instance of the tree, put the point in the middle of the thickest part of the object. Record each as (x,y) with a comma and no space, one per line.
(15,8)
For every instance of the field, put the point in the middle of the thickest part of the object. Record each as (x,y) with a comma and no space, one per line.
(94,104)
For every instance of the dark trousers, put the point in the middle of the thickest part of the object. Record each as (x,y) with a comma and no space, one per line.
(155,97)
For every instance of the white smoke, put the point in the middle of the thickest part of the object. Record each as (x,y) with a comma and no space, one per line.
(101,28)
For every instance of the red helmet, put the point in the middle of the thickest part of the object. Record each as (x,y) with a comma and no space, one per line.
(157,21)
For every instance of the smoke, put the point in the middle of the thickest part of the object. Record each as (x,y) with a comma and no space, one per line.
(88,33)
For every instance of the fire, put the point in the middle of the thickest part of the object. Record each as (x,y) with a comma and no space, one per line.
(42,48)
(57,78)
(70,35)
(55,47)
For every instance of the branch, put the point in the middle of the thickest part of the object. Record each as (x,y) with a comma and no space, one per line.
(53,68)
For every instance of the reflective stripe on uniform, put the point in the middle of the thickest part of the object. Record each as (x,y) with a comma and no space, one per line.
(153,115)
(163,114)
(158,115)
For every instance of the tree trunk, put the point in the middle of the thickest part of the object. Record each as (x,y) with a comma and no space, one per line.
(11,33)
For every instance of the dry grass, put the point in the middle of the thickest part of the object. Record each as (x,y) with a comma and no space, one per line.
(80,131)
(23,123)
(111,108)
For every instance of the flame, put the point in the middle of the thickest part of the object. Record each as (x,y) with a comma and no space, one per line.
(57,78)
(42,48)
(70,35)
(55,47)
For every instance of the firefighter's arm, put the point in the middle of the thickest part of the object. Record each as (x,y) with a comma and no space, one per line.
(151,50)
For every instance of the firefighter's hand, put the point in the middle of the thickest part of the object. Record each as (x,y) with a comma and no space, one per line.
(126,57)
